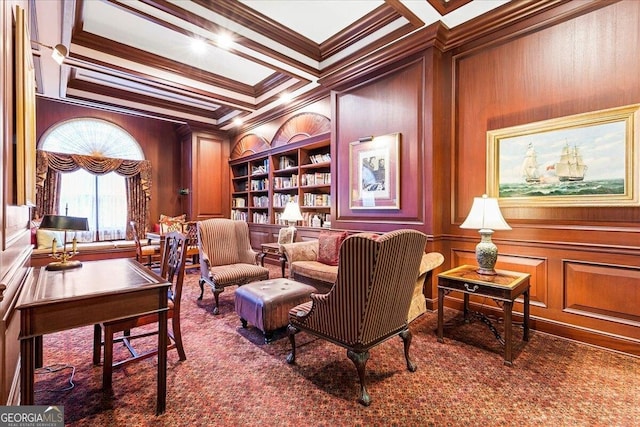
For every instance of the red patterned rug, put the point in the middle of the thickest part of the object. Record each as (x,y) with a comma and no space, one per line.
(232,378)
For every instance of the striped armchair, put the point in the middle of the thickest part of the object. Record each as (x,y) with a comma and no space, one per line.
(226,257)
(370,300)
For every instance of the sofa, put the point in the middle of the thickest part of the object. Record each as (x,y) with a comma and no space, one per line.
(315,262)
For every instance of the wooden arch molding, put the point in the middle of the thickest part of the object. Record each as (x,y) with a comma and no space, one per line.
(299,127)
(249,144)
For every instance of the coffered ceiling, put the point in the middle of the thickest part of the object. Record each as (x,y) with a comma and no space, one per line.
(208,62)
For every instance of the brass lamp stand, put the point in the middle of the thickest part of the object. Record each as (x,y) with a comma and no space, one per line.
(64,223)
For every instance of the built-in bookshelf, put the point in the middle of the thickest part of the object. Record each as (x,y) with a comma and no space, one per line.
(264,182)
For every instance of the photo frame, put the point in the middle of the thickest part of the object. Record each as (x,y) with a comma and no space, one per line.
(374,172)
(588,159)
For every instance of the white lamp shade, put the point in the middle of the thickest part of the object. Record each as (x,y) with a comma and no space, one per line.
(292,212)
(485,215)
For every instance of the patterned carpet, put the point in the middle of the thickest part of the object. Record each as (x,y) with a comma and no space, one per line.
(232,378)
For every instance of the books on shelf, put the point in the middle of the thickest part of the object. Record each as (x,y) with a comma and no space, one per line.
(316,199)
(260,202)
(259,184)
(260,168)
(239,215)
(286,162)
(280,182)
(320,158)
(238,202)
(318,178)
(280,199)
(260,218)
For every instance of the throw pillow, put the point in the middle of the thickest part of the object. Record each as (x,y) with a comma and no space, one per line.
(329,246)
(171,223)
(44,238)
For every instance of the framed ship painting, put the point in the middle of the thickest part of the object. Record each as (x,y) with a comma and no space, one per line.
(589,159)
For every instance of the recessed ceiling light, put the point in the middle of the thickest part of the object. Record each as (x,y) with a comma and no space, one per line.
(286,97)
(198,45)
(224,41)
(237,121)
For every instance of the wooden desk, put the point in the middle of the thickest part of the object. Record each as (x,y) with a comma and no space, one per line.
(273,250)
(99,291)
(503,288)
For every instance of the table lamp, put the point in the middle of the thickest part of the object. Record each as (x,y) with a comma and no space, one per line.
(292,214)
(64,223)
(485,216)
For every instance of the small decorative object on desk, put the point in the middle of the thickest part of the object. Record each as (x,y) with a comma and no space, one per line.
(316,222)
(64,223)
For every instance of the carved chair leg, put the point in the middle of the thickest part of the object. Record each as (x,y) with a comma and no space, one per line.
(360,360)
(177,337)
(406,339)
(292,331)
(216,310)
(201,283)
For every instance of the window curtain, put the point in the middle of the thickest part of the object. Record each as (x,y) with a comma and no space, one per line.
(137,173)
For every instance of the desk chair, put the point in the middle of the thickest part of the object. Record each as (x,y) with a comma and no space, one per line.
(173,262)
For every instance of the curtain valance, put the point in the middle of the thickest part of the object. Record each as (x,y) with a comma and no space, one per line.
(60,162)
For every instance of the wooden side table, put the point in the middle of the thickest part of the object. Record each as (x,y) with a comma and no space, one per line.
(272,250)
(503,288)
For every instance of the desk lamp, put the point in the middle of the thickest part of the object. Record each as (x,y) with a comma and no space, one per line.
(485,216)
(64,223)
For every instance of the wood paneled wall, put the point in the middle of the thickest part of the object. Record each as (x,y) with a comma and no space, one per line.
(584,261)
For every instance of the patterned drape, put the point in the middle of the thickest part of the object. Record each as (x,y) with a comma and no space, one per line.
(137,173)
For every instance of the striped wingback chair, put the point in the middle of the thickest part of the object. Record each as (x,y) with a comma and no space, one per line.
(370,300)
(226,256)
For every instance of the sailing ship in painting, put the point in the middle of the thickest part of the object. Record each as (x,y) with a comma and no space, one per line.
(569,168)
(530,166)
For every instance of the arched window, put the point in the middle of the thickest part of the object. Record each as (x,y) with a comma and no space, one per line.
(100,198)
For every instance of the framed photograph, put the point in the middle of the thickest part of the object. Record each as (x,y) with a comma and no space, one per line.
(374,172)
(588,159)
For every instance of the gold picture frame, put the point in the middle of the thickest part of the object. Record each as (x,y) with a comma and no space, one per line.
(25,114)
(374,172)
(588,159)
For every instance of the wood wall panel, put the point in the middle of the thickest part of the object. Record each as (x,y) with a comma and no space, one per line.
(560,70)
(388,103)
(209,186)
(608,292)
(548,66)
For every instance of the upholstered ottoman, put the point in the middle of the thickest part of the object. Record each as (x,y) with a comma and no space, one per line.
(266,304)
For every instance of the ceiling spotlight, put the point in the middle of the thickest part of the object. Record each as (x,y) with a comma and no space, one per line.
(237,121)
(198,45)
(58,53)
(286,97)
(224,41)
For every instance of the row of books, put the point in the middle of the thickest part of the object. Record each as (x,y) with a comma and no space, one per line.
(280,200)
(260,168)
(259,184)
(280,182)
(260,218)
(239,215)
(320,158)
(260,201)
(286,162)
(238,202)
(316,199)
(318,178)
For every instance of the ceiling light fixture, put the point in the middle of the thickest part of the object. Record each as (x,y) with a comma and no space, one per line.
(59,52)
(198,45)
(224,41)
(237,121)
